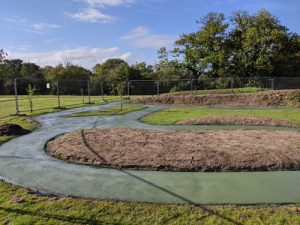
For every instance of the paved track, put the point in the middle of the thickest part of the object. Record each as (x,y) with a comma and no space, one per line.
(24,162)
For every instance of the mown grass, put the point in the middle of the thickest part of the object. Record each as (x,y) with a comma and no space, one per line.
(175,115)
(114,110)
(19,206)
(223,91)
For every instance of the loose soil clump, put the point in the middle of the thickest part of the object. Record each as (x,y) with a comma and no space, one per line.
(12,129)
(234,150)
(265,98)
(237,120)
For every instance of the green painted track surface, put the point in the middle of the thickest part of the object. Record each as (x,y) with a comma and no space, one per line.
(24,162)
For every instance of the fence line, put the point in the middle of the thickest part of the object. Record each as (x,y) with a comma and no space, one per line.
(63,90)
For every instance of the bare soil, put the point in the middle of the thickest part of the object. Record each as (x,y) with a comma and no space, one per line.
(12,129)
(236,150)
(237,120)
(265,98)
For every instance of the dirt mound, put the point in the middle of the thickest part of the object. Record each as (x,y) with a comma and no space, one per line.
(237,120)
(12,129)
(237,150)
(265,98)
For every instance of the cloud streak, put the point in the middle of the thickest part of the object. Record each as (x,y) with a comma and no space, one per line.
(143,37)
(32,27)
(91,15)
(86,57)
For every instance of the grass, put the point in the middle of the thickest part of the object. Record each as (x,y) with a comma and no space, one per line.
(114,110)
(225,91)
(19,206)
(41,105)
(174,115)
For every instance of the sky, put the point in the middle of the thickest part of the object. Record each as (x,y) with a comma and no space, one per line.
(87,32)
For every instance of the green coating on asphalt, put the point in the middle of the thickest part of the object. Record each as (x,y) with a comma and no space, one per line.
(114,110)
(23,161)
(174,115)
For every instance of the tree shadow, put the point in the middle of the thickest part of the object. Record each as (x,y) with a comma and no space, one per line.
(90,148)
(185,200)
(70,219)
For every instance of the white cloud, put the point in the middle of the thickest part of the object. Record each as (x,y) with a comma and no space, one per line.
(44,26)
(91,15)
(31,27)
(143,37)
(86,57)
(103,3)
(91,12)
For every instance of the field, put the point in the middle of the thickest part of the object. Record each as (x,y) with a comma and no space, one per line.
(176,115)
(21,206)
(114,110)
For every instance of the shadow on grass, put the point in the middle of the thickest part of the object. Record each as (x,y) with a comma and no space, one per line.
(70,219)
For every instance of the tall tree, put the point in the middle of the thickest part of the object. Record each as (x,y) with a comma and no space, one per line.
(204,52)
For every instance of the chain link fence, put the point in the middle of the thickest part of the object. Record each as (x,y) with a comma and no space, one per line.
(61,94)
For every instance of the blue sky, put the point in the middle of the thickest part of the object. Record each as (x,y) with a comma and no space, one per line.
(87,32)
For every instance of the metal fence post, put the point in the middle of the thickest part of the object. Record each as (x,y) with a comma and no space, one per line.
(157,83)
(58,97)
(231,83)
(102,92)
(128,89)
(272,83)
(16,96)
(89,93)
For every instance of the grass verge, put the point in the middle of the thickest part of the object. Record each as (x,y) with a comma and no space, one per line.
(114,110)
(19,206)
(222,91)
(175,115)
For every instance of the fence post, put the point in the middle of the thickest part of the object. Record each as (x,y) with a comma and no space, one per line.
(89,93)
(16,96)
(128,89)
(192,87)
(58,97)
(231,83)
(272,83)
(102,92)
(157,83)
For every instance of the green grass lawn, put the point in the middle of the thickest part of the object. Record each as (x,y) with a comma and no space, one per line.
(19,206)
(114,110)
(224,91)
(41,105)
(174,115)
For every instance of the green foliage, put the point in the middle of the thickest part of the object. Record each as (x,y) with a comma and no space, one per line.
(2,55)
(255,45)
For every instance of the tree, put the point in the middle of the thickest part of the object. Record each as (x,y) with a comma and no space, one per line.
(30,91)
(204,52)
(261,46)
(121,73)
(2,55)
(167,69)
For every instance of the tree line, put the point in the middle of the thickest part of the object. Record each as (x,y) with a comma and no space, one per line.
(242,45)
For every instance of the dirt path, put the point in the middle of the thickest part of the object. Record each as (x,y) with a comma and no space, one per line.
(239,150)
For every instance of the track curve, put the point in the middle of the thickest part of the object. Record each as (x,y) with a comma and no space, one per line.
(24,162)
